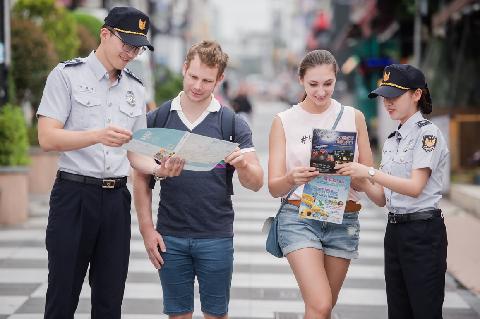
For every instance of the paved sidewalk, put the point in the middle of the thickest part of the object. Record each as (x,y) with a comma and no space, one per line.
(463,260)
(263,286)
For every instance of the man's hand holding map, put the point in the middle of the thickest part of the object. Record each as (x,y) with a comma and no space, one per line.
(201,153)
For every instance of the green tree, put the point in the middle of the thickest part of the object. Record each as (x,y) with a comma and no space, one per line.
(33,56)
(90,22)
(88,29)
(13,137)
(58,23)
(167,85)
(87,41)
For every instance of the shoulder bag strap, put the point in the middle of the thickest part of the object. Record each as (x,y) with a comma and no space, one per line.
(338,118)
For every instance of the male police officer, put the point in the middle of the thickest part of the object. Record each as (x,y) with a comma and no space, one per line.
(89,108)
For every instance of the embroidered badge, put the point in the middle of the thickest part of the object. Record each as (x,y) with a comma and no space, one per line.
(386,76)
(130,98)
(142,24)
(429,143)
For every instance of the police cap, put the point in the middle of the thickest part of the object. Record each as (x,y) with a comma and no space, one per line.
(398,79)
(131,24)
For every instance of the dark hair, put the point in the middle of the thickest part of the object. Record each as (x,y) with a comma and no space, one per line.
(425,102)
(314,58)
(210,53)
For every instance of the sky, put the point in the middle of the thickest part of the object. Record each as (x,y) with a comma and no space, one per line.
(245,15)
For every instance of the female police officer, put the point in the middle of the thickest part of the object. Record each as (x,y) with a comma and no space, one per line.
(409,182)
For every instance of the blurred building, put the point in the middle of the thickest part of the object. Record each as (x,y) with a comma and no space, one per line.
(441,37)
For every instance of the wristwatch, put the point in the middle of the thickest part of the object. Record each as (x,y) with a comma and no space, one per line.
(371,172)
(157,178)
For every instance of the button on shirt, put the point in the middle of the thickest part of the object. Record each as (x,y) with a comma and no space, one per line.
(417,144)
(82,97)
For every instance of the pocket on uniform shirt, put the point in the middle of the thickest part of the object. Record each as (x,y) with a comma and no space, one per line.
(86,110)
(402,164)
(128,115)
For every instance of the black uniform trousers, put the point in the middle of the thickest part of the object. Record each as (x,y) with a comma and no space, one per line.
(87,226)
(415,266)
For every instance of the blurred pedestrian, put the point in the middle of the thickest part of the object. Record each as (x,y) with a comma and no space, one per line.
(241,103)
(409,182)
(319,253)
(88,110)
(194,233)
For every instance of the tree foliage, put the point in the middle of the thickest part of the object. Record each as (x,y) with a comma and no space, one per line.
(13,137)
(33,56)
(58,23)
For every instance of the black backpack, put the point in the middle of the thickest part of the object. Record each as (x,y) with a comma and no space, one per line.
(160,116)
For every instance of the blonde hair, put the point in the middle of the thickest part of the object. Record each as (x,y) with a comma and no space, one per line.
(210,53)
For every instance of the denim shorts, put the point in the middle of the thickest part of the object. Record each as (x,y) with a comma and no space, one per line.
(210,260)
(337,240)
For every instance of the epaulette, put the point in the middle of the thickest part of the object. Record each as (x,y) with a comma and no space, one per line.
(133,76)
(73,62)
(423,123)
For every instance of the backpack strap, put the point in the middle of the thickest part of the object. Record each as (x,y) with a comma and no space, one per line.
(227,127)
(160,116)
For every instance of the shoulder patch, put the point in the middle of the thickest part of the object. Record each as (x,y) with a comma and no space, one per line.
(423,123)
(133,76)
(73,62)
(429,142)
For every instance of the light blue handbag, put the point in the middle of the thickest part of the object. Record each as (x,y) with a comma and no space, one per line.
(272,245)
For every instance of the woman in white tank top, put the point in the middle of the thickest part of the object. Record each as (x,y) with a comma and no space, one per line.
(318,252)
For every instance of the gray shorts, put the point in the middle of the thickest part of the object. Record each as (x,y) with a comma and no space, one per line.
(337,240)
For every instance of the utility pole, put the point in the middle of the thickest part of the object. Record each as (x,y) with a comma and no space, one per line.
(4,49)
(421,9)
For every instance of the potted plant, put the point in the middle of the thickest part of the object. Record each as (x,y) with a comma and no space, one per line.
(13,166)
(33,57)
(43,166)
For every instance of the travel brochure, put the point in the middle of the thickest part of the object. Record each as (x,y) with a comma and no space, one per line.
(325,197)
(330,148)
(201,153)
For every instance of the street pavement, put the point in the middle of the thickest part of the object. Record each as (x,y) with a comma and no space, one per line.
(263,286)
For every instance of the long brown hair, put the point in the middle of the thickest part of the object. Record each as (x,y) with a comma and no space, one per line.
(425,103)
(314,58)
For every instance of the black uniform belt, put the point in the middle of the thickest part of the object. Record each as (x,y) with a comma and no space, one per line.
(405,218)
(110,183)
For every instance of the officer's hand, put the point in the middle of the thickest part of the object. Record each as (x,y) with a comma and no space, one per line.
(301,175)
(171,167)
(236,159)
(153,241)
(353,169)
(114,136)
(359,183)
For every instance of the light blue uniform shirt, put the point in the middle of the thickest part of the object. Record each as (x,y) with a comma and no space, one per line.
(79,94)
(417,144)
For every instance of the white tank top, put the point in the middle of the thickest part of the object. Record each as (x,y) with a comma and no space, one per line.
(298,126)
